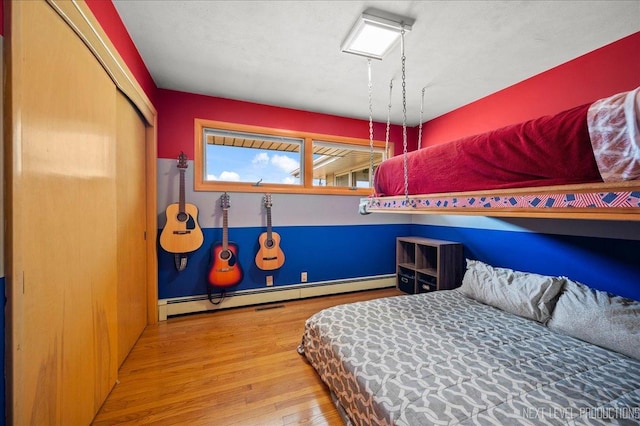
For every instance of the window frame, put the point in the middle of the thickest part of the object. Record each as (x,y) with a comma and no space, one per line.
(306,187)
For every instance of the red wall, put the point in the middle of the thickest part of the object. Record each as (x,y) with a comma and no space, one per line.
(177,111)
(611,69)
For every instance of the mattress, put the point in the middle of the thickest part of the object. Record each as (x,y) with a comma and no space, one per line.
(441,358)
(590,143)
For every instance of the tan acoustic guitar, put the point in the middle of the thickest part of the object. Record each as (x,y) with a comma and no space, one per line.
(182,233)
(270,255)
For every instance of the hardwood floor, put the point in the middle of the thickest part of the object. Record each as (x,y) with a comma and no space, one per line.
(231,367)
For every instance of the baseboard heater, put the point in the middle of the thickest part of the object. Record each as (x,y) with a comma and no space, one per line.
(234,299)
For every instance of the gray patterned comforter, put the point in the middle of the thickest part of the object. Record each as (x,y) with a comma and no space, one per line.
(443,359)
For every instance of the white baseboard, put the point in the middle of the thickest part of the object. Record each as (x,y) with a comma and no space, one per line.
(200,303)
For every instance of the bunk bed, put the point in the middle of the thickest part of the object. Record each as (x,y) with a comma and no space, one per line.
(580,163)
(505,348)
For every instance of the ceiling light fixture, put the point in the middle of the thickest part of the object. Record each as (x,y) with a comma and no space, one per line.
(375,33)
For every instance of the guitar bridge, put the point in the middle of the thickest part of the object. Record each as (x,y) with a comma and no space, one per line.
(181,232)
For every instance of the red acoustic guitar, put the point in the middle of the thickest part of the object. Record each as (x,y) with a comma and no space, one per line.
(270,255)
(225,269)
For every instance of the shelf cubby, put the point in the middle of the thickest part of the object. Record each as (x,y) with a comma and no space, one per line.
(426,264)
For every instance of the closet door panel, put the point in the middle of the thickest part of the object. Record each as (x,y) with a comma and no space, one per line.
(131,205)
(64,235)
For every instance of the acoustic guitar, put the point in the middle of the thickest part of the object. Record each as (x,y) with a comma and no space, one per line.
(225,269)
(181,234)
(270,255)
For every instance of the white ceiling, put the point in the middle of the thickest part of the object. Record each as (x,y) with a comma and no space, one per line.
(287,53)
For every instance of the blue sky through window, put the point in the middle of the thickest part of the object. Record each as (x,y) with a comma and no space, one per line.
(238,164)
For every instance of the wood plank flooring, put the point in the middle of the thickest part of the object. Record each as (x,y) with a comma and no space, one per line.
(231,367)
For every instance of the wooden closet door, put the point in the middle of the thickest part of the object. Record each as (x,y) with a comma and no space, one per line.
(62,268)
(131,206)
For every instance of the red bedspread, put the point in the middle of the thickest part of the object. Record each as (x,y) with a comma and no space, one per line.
(551,150)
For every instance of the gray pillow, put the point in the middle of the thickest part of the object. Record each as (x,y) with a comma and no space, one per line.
(597,317)
(525,294)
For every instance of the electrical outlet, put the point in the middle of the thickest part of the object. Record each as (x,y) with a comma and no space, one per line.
(303,277)
(269,280)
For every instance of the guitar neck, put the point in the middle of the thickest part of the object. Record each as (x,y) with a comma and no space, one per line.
(181,201)
(269,238)
(225,233)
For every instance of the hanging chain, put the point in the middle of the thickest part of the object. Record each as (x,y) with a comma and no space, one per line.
(370,127)
(404,122)
(386,139)
(421,110)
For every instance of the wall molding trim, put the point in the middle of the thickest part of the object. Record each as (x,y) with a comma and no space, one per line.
(200,303)
(79,17)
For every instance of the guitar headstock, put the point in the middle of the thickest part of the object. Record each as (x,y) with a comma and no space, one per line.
(224,201)
(267,201)
(182,161)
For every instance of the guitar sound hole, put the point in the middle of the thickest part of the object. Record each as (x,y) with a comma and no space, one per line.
(225,255)
(182,216)
(269,244)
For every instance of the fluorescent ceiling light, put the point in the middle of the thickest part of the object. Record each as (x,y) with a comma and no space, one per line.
(375,33)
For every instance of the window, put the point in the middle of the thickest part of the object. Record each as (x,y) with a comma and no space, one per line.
(343,165)
(232,157)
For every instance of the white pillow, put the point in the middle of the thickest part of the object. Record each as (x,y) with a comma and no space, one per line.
(597,317)
(614,130)
(525,294)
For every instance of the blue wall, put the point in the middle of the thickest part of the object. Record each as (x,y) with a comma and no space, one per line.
(324,252)
(349,251)
(326,237)
(603,263)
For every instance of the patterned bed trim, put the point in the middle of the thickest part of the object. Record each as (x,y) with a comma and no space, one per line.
(540,201)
